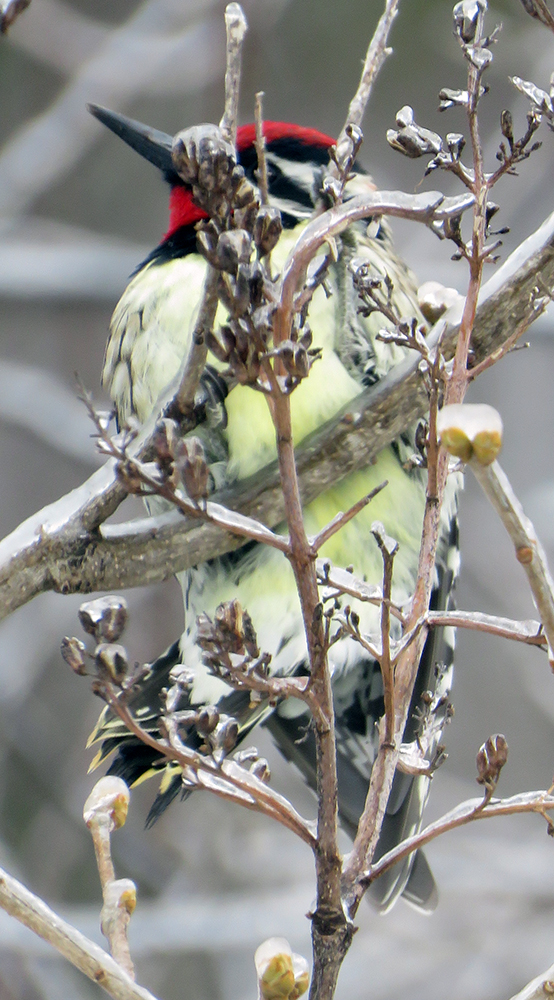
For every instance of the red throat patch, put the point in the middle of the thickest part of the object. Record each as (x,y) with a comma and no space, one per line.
(182,210)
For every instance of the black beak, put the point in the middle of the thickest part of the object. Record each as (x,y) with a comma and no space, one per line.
(155,146)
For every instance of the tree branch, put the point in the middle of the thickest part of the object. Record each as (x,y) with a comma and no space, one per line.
(62,548)
(539,802)
(85,955)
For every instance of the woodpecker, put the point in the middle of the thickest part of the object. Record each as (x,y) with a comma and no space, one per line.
(150,335)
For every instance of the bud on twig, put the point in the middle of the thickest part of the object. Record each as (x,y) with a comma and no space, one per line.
(104,618)
(191,465)
(471,431)
(72,650)
(491,759)
(110,796)
(282,975)
(112,659)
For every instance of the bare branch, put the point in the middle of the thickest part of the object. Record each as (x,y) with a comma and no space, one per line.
(538,802)
(528,549)
(85,955)
(375,57)
(528,631)
(227,779)
(539,988)
(236,27)
(105,811)
(62,548)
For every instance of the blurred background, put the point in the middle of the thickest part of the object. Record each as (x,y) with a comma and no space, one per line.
(78,211)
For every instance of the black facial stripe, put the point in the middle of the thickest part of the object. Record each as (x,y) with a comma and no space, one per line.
(287,149)
(285,189)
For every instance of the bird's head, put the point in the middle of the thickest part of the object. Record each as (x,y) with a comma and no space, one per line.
(295,156)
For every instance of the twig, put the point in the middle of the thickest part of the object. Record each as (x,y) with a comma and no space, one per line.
(194,364)
(376,54)
(528,631)
(539,988)
(388,548)
(340,519)
(232,521)
(60,548)
(227,780)
(538,802)
(260,149)
(528,549)
(105,811)
(419,208)
(508,345)
(236,28)
(85,955)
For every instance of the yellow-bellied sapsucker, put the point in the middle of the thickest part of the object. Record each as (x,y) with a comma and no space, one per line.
(150,335)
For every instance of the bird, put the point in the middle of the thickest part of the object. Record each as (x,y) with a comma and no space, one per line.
(150,333)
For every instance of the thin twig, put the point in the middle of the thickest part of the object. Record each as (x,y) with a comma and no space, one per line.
(538,802)
(227,780)
(105,811)
(85,955)
(528,549)
(195,362)
(528,631)
(236,28)
(388,548)
(376,54)
(340,519)
(260,149)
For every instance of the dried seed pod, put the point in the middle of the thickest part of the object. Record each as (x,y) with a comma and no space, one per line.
(202,155)
(411,139)
(72,650)
(260,769)
(163,440)
(112,659)
(104,618)
(225,734)
(491,759)
(233,248)
(206,720)
(191,465)
(466,14)
(267,229)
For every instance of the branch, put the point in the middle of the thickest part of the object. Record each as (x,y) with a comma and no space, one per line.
(236,27)
(539,988)
(528,549)
(539,802)
(85,955)
(227,779)
(61,547)
(105,811)
(529,631)
(375,57)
